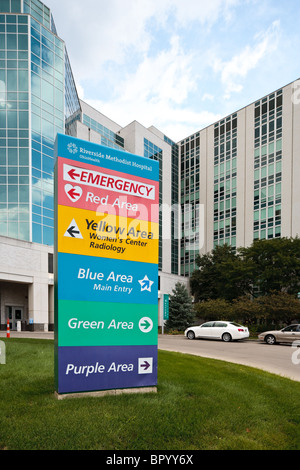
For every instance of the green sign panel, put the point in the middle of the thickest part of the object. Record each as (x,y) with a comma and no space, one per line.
(106,323)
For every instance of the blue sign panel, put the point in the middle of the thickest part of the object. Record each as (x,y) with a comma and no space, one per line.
(106,280)
(105,157)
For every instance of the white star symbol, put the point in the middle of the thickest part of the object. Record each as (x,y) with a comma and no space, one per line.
(146,284)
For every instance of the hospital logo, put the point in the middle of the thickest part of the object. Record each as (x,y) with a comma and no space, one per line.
(72,148)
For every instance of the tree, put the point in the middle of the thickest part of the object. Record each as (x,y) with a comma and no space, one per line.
(264,267)
(221,274)
(279,307)
(181,313)
(247,310)
(214,309)
(273,265)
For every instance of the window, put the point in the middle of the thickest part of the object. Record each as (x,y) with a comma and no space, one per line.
(291,328)
(267,169)
(50,263)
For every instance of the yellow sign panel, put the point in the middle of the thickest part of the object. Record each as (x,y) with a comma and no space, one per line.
(90,233)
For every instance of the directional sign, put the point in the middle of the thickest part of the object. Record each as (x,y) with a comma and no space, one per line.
(106,277)
(146,324)
(145,365)
(85,278)
(95,368)
(73,230)
(82,188)
(115,183)
(106,324)
(106,235)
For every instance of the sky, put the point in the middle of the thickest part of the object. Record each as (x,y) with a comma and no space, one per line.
(179,65)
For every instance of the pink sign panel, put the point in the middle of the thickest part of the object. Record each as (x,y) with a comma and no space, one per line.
(106,191)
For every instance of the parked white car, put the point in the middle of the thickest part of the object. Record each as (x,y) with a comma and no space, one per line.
(224,330)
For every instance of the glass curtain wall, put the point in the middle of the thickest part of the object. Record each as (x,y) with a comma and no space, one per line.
(33,83)
(155,153)
(47,119)
(268,167)
(14,124)
(225,181)
(190,200)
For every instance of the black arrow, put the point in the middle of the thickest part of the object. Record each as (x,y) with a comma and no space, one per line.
(72,232)
(146,365)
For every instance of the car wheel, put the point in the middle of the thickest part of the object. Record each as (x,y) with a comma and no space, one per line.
(191,335)
(270,339)
(226,337)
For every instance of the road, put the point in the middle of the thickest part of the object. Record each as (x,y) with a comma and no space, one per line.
(279,359)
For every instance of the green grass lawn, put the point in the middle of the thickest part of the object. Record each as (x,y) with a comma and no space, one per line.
(201,404)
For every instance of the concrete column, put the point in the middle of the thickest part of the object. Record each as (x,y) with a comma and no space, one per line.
(38,305)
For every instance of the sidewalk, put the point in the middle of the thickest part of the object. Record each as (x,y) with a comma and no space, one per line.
(29,334)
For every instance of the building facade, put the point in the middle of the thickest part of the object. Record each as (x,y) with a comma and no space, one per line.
(239,177)
(232,182)
(37,94)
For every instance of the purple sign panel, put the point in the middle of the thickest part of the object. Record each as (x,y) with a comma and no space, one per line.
(93,368)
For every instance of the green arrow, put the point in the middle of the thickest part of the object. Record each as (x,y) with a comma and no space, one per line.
(146,324)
